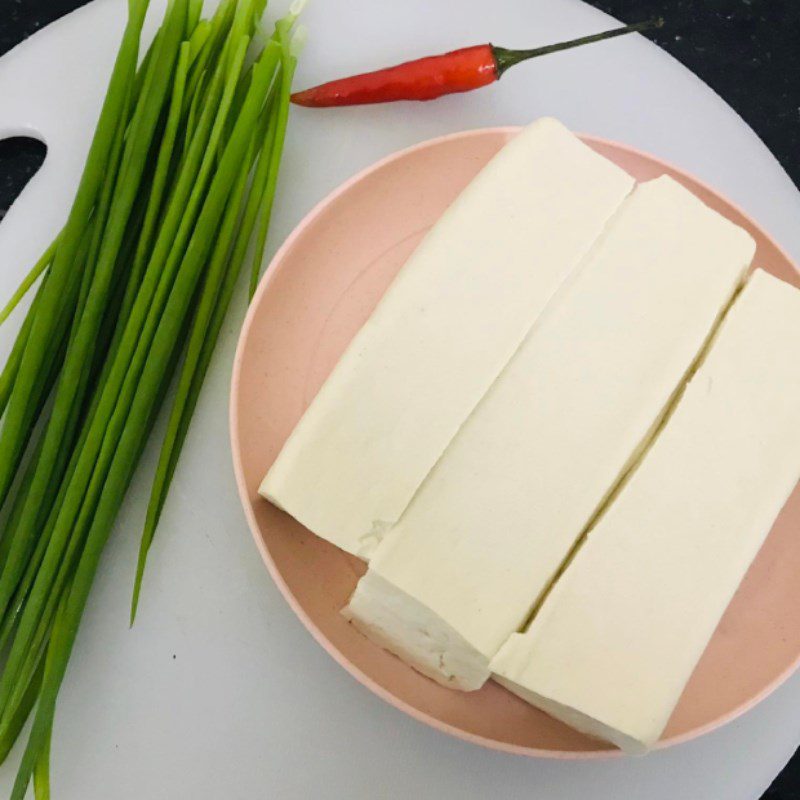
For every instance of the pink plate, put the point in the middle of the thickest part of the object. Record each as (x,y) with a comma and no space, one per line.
(319,289)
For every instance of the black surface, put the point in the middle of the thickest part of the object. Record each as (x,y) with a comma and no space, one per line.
(747,50)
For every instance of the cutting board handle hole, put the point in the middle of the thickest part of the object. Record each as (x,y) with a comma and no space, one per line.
(20,159)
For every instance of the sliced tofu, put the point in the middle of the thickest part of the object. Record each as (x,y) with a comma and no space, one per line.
(615,642)
(448,324)
(488,530)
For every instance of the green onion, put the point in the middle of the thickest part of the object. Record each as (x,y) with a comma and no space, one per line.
(177,189)
(41,772)
(187,390)
(11,368)
(115,204)
(123,454)
(38,268)
(17,422)
(211,314)
(277,135)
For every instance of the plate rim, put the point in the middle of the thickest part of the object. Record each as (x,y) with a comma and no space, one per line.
(273,268)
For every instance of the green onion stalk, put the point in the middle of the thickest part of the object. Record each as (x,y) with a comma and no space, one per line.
(176,195)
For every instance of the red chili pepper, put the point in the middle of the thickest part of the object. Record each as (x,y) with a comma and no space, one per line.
(428,78)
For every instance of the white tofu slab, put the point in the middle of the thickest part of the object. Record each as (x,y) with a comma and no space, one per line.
(448,324)
(615,642)
(490,527)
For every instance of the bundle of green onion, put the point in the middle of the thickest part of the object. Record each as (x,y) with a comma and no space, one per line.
(175,195)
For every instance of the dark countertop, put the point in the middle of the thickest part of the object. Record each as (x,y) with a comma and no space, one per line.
(744,49)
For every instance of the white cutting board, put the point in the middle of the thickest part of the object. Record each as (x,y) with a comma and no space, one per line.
(218,692)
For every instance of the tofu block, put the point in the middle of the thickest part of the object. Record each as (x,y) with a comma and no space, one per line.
(615,642)
(488,530)
(444,330)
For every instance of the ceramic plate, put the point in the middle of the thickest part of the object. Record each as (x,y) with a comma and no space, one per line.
(320,288)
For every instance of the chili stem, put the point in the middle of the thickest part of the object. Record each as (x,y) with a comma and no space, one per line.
(506,58)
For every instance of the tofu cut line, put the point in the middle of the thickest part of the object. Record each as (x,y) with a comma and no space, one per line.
(490,527)
(442,333)
(637,457)
(617,639)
